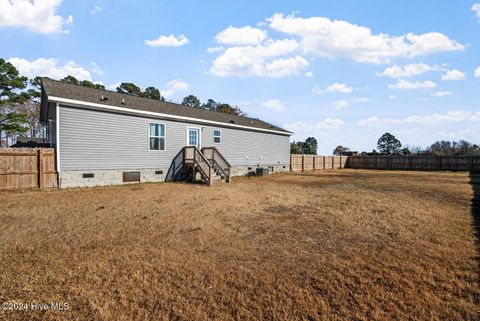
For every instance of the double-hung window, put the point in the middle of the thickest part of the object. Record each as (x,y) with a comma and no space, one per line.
(156,136)
(217,136)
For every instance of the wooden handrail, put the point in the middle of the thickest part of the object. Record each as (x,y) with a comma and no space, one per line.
(216,153)
(196,152)
(220,154)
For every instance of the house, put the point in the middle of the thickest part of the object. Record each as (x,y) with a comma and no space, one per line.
(103,137)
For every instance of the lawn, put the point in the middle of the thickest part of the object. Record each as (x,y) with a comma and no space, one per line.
(334,245)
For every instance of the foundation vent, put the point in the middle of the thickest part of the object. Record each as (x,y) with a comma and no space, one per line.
(129,177)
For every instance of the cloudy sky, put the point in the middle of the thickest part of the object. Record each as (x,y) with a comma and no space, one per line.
(342,71)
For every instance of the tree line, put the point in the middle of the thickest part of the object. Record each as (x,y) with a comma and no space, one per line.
(20,102)
(388,144)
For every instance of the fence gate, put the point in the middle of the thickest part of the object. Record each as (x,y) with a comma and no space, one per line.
(27,168)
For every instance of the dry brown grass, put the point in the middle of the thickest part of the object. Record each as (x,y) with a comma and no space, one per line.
(362,245)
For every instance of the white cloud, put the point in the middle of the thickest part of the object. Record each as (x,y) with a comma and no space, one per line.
(37,16)
(168,41)
(333,88)
(285,67)
(114,86)
(215,49)
(376,121)
(96,10)
(345,103)
(360,100)
(442,93)
(406,71)
(341,104)
(403,84)
(453,74)
(249,50)
(451,116)
(274,104)
(477,72)
(330,131)
(310,129)
(309,74)
(391,97)
(475,116)
(476,9)
(96,69)
(337,38)
(245,36)
(173,86)
(247,61)
(50,67)
(457,135)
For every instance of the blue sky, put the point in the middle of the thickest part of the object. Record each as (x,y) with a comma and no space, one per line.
(344,72)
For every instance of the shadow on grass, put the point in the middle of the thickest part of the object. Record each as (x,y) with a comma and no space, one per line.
(475,205)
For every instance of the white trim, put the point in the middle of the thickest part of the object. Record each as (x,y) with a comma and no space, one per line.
(57,135)
(164,137)
(199,136)
(217,136)
(151,113)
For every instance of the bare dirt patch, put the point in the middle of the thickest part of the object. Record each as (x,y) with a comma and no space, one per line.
(335,245)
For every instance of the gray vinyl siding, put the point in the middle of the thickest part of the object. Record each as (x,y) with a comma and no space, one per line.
(92,139)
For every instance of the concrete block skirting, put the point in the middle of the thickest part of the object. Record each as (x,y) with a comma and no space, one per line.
(105,177)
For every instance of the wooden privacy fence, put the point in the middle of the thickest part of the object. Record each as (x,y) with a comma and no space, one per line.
(27,168)
(416,163)
(315,162)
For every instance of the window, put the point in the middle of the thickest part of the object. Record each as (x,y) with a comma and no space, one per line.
(157,137)
(217,136)
(193,138)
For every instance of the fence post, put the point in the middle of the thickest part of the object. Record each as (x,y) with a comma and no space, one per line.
(40,168)
(314,162)
(303,163)
(291,166)
(340,166)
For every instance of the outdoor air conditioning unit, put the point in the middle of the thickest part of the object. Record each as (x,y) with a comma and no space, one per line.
(261,171)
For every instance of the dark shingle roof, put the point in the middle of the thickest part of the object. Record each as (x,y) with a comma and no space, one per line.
(62,90)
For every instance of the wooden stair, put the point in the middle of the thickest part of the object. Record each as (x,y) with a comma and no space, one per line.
(207,165)
(220,166)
